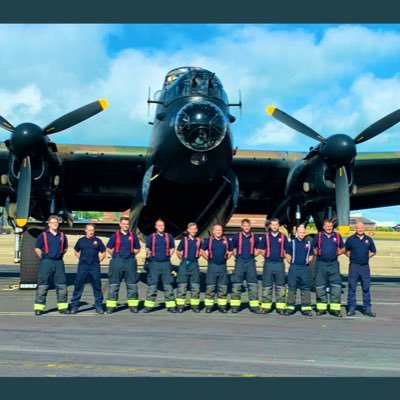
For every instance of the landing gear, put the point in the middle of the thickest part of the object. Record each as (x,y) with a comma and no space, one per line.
(29,262)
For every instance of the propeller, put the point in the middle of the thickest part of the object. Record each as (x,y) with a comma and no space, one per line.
(338,150)
(28,139)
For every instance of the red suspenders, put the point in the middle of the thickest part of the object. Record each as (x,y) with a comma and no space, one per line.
(320,242)
(251,243)
(118,241)
(46,243)
(153,244)
(267,241)
(210,253)
(186,247)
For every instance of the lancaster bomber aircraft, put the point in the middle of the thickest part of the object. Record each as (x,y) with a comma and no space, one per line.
(190,172)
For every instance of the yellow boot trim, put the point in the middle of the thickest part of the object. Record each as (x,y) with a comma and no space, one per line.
(254,303)
(281,306)
(222,302)
(335,306)
(266,305)
(149,303)
(306,308)
(39,307)
(290,307)
(235,303)
(209,302)
(180,302)
(133,302)
(194,302)
(322,306)
(170,304)
(62,306)
(111,303)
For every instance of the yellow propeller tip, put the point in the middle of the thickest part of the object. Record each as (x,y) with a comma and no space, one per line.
(103,103)
(21,222)
(270,110)
(344,229)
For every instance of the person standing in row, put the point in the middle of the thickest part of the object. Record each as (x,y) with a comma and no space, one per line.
(50,247)
(273,245)
(189,251)
(123,246)
(216,249)
(245,246)
(90,251)
(299,256)
(327,245)
(359,248)
(160,246)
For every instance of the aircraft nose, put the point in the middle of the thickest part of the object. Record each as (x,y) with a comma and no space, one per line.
(201,126)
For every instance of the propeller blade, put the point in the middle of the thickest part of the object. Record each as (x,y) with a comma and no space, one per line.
(74,117)
(342,200)
(24,193)
(5,124)
(378,127)
(294,123)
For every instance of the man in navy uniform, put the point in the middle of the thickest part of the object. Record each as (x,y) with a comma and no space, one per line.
(50,247)
(245,246)
(189,251)
(216,249)
(299,256)
(327,245)
(123,246)
(273,245)
(160,246)
(90,251)
(360,248)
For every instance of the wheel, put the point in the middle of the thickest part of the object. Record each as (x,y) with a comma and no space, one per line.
(29,265)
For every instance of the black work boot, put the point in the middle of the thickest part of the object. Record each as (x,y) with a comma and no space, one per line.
(351,312)
(64,311)
(209,310)
(38,312)
(255,310)
(280,311)
(222,310)
(99,310)
(109,310)
(290,312)
(146,310)
(196,309)
(234,310)
(321,312)
(369,313)
(180,310)
(172,310)
(134,310)
(336,314)
(307,313)
(74,310)
(265,310)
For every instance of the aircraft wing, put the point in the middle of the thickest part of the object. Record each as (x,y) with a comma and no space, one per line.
(262,178)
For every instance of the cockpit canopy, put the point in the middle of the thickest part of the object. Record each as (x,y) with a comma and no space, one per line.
(192,81)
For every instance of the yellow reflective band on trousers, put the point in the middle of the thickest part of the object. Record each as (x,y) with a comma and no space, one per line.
(149,303)
(306,308)
(222,302)
(335,306)
(170,304)
(254,303)
(322,306)
(266,305)
(209,302)
(111,303)
(39,307)
(133,303)
(280,306)
(235,303)
(290,307)
(194,302)
(62,306)
(180,302)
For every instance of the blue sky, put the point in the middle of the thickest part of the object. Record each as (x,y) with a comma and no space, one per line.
(335,78)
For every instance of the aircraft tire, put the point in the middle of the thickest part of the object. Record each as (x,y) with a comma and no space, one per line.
(29,265)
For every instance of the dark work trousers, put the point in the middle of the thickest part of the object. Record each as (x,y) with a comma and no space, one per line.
(157,270)
(188,274)
(216,280)
(273,273)
(328,276)
(299,277)
(92,274)
(122,269)
(359,272)
(51,271)
(245,270)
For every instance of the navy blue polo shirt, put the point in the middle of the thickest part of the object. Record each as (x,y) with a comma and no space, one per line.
(300,250)
(359,248)
(125,248)
(160,246)
(219,248)
(245,254)
(89,249)
(329,246)
(54,242)
(275,246)
(192,248)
